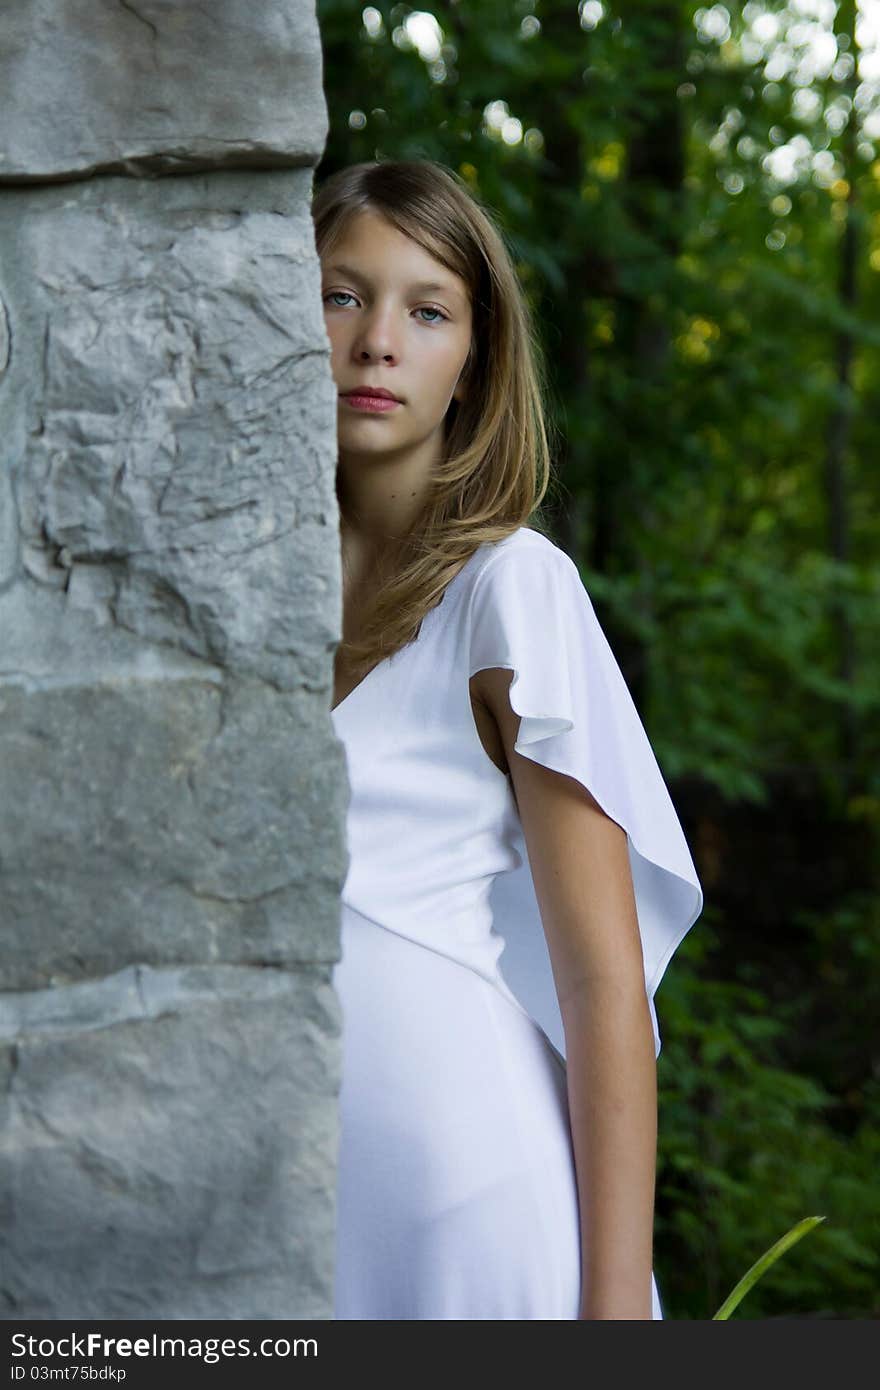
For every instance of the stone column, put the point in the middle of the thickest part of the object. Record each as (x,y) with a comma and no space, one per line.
(171,792)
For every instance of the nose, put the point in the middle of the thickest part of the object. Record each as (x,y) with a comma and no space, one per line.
(377,338)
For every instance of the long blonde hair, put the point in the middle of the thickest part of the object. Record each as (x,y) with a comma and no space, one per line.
(496,466)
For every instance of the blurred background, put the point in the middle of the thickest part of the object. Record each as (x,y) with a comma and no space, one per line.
(692,197)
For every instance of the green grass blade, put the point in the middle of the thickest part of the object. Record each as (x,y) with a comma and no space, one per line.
(761,1265)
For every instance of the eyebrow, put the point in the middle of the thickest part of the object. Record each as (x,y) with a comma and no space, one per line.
(422,286)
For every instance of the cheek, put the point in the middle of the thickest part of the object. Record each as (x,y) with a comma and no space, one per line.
(335,326)
(338,349)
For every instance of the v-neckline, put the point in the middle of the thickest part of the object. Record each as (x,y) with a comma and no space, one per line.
(363,680)
(385,659)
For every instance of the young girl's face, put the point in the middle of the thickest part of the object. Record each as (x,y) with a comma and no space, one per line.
(398,319)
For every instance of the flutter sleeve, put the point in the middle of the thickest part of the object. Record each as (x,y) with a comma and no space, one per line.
(531,614)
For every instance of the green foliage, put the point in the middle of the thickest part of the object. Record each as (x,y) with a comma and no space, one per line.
(746,1146)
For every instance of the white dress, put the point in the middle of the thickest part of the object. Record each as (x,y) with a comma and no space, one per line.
(456,1191)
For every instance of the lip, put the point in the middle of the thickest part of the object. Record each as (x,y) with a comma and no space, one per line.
(370,399)
(378,391)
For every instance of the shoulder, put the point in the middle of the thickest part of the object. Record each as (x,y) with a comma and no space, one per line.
(522,596)
(525,552)
(520,581)
(525,540)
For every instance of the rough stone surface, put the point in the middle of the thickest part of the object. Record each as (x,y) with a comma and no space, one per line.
(172,794)
(141,86)
(170,468)
(172,409)
(164,821)
(167,1137)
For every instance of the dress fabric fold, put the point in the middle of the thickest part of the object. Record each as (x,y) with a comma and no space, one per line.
(578,717)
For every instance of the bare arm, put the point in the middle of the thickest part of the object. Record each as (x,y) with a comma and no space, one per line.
(580,868)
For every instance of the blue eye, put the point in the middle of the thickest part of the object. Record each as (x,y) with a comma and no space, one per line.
(425,309)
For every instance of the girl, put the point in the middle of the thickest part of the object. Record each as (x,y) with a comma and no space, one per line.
(503,794)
